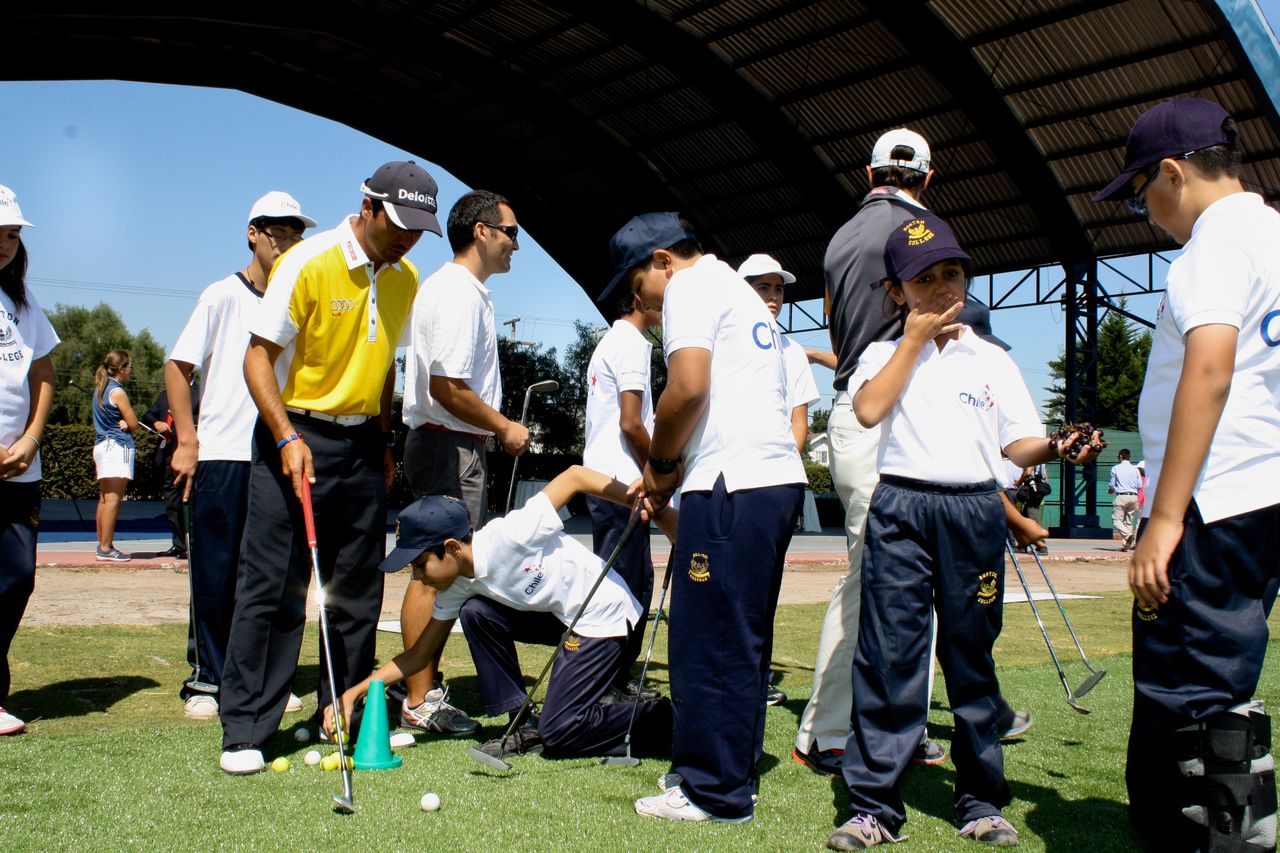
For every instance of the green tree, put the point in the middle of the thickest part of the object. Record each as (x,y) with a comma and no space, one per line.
(87,335)
(554,419)
(818,420)
(1122,363)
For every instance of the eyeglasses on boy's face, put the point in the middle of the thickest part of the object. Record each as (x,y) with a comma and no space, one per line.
(281,238)
(1138,202)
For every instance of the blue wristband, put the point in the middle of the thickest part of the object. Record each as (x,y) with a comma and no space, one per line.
(288,438)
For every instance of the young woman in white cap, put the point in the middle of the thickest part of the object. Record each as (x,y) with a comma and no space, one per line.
(26,395)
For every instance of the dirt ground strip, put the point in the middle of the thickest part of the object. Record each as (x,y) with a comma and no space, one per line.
(126,596)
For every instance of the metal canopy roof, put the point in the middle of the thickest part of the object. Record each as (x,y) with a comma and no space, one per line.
(754,117)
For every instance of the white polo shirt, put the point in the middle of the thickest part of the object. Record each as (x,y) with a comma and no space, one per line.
(1228,273)
(23,338)
(620,363)
(527,561)
(453,335)
(214,340)
(961,407)
(802,390)
(744,432)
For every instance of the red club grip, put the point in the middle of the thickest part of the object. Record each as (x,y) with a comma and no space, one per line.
(307,515)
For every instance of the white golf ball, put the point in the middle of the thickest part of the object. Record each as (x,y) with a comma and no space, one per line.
(312,758)
(430,802)
(302,734)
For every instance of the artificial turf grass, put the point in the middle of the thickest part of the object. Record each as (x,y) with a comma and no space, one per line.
(113,762)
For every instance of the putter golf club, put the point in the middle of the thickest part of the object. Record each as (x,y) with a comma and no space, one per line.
(1071,697)
(630,760)
(1095,674)
(496,762)
(342,803)
(545,386)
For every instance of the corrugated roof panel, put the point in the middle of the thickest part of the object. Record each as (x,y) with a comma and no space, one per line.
(705,148)
(969,20)
(876,103)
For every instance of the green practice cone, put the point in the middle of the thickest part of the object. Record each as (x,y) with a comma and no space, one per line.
(373,749)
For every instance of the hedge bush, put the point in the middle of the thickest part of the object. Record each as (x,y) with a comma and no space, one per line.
(819,478)
(66,456)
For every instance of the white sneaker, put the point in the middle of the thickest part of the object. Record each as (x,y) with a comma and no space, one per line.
(402,739)
(673,805)
(241,762)
(10,725)
(294,705)
(667,781)
(201,707)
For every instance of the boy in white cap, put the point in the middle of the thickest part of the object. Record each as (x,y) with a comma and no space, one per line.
(1207,563)
(215,339)
(321,369)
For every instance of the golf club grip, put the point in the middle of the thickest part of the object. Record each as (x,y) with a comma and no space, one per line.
(308,516)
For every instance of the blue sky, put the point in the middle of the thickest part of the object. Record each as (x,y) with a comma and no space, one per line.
(140,195)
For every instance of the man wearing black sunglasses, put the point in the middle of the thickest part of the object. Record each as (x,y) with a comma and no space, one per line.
(452,396)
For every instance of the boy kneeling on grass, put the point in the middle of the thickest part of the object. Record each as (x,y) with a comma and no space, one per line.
(521,578)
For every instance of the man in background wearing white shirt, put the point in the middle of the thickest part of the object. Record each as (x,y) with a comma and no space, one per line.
(452,396)
(211,464)
(619,423)
(1124,483)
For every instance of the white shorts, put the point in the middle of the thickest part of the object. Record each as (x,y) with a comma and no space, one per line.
(113,459)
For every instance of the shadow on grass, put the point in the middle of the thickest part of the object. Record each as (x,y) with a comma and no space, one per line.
(77,697)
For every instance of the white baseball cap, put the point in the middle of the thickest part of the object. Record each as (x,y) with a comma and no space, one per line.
(10,213)
(758,265)
(279,205)
(901,137)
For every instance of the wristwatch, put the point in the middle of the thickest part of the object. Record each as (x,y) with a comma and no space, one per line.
(663,466)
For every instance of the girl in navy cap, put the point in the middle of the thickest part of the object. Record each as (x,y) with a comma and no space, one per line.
(950,403)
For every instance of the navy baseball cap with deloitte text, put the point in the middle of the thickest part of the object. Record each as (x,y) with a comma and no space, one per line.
(918,244)
(1173,128)
(407,193)
(635,242)
(424,524)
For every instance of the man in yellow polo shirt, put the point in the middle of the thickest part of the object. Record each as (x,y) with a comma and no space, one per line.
(321,369)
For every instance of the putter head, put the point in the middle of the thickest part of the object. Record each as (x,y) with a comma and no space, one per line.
(1071,700)
(1090,682)
(488,760)
(620,761)
(343,805)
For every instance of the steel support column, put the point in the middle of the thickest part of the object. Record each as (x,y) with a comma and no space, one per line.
(1079,482)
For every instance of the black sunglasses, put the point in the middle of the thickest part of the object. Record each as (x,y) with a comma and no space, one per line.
(512,231)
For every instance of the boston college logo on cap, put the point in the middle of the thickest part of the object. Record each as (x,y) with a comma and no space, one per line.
(917,232)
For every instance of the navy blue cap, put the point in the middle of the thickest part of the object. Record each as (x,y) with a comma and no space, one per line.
(977,316)
(1173,128)
(407,193)
(918,244)
(425,524)
(635,243)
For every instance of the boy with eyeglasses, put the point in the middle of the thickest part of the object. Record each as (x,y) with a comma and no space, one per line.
(211,464)
(452,402)
(1207,563)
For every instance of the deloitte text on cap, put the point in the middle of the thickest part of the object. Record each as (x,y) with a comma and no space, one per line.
(758,265)
(636,242)
(901,138)
(10,213)
(1172,129)
(918,244)
(425,524)
(279,205)
(408,193)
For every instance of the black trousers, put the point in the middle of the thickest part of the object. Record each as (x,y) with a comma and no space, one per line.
(275,570)
(1195,656)
(220,504)
(929,549)
(172,497)
(19,519)
(726,574)
(634,564)
(573,722)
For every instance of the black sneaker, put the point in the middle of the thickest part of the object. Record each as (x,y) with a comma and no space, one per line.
(525,740)
(774,696)
(825,762)
(929,753)
(646,693)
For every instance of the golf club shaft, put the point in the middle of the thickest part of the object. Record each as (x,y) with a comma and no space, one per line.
(515,462)
(1063,611)
(644,668)
(1036,612)
(310,520)
(613,558)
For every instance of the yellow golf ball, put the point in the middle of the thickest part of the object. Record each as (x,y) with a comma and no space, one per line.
(280,765)
(329,762)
